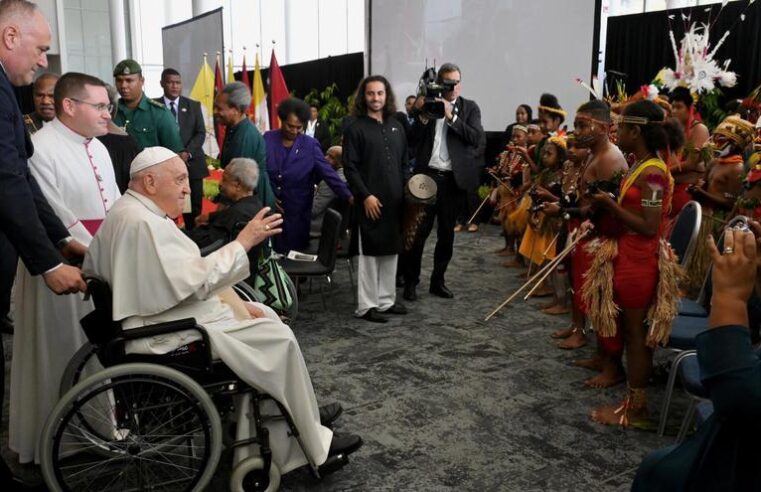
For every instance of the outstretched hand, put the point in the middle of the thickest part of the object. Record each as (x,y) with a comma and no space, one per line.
(260,228)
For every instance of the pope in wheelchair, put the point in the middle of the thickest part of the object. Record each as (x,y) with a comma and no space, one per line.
(157,275)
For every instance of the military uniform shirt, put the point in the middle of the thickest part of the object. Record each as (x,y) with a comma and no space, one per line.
(151,124)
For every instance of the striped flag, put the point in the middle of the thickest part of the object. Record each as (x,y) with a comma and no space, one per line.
(259,100)
(203,92)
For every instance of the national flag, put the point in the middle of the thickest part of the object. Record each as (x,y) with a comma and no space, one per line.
(230,71)
(278,90)
(247,82)
(259,100)
(218,86)
(203,92)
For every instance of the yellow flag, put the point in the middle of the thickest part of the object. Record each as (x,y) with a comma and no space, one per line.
(203,92)
(259,100)
(230,74)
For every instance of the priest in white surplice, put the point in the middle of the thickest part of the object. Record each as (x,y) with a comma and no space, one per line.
(157,274)
(75,174)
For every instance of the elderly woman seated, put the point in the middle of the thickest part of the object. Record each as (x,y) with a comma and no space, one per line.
(237,188)
(157,274)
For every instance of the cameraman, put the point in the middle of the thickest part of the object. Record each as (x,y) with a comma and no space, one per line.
(447,151)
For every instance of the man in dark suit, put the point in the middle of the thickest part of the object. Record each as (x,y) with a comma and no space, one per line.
(318,129)
(447,151)
(187,113)
(28,226)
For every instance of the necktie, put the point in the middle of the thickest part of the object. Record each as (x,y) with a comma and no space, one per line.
(174,111)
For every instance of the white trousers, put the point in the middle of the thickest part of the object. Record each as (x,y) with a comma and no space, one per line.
(376,281)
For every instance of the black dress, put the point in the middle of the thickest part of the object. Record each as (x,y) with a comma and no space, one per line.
(122,149)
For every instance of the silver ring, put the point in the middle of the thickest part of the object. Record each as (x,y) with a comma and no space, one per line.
(729,250)
(267,228)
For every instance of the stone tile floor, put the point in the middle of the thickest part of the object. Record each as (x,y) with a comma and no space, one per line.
(446,401)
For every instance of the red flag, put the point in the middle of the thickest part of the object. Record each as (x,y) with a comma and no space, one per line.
(278,90)
(218,86)
(247,83)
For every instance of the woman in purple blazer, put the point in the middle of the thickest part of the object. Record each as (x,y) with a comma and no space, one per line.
(295,164)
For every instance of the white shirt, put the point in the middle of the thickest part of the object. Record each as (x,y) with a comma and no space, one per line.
(176,106)
(76,176)
(440,153)
(311,125)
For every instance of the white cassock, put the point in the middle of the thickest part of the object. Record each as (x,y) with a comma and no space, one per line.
(157,274)
(77,178)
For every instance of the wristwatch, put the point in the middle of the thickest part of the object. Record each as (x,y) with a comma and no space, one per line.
(63,242)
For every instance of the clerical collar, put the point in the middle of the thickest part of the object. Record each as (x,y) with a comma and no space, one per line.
(147,203)
(69,133)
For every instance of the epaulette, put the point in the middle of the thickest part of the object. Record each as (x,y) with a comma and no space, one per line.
(155,103)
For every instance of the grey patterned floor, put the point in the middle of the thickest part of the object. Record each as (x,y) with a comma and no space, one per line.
(445,401)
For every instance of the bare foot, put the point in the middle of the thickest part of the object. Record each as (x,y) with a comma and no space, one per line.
(562,333)
(594,364)
(473,228)
(458,228)
(512,264)
(542,292)
(616,415)
(610,375)
(505,252)
(547,305)
(556,309)
(576,340)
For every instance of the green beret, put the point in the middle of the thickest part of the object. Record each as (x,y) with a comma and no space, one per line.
(127,67)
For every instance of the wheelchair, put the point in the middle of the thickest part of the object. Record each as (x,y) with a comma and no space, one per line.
(154,422)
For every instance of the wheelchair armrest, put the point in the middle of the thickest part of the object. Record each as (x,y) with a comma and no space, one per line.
(168,327)
(210,248)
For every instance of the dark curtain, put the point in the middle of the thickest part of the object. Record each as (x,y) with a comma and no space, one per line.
(639,45)
(345,70)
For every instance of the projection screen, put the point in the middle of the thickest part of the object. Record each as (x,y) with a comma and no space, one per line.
(186,42)
(509,51)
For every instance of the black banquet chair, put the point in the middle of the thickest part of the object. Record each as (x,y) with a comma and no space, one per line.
(326,254)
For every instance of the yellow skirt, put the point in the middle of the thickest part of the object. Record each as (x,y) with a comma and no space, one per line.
(517,220)
(535,244)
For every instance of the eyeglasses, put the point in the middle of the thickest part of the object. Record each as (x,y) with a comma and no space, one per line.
(100,107)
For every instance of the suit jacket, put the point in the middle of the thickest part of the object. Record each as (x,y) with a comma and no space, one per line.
(465,139)
(28,226)
(322,134)
(192,134)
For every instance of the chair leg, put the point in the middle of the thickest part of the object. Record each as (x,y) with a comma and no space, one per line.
(687,421)
(350,265)
(322,294)
(670,391)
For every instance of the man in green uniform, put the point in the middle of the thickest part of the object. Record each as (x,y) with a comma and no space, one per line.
(145,119)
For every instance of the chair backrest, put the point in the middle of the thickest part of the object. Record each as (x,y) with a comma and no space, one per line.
(99,325)
(330,233)
(684,234)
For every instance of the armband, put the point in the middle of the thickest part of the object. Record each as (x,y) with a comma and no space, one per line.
(654,203)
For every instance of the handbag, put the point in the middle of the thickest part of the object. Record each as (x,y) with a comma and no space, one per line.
(273,286)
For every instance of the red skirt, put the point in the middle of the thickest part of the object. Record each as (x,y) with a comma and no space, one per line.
(635,271)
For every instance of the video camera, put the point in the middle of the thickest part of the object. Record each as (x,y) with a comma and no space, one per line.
(431,88)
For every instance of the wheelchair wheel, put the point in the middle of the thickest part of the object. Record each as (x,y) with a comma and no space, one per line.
(85,358)
(132,427)
(249,476)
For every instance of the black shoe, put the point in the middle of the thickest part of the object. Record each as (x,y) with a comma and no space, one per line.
(330,412)
(344,444)
(372,315)
(409,293)
(441,290)
(397,308)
